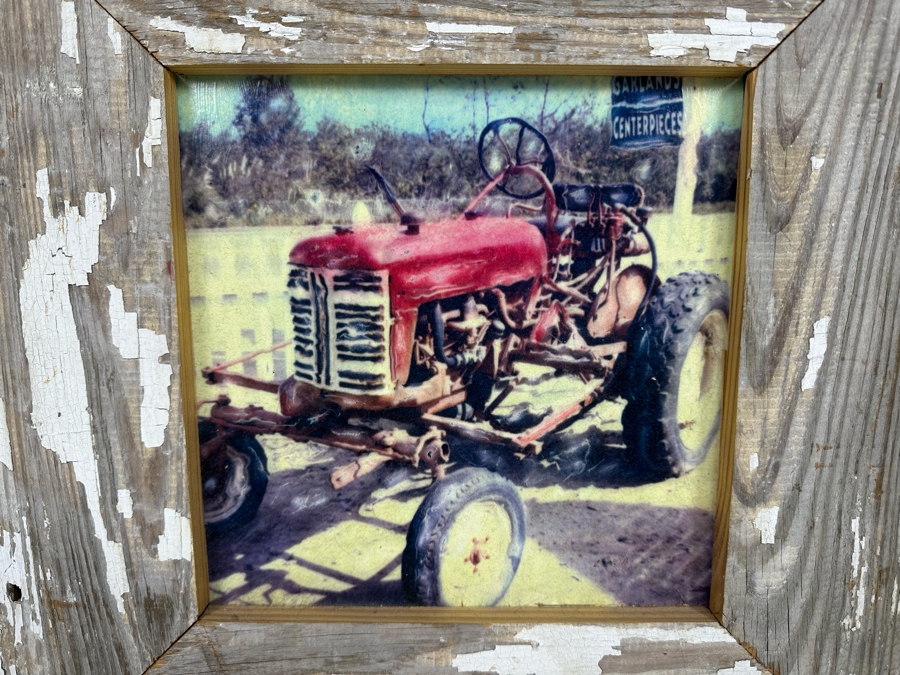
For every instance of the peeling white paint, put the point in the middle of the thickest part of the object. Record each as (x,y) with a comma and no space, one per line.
(576,650)
(17,567)
(5,444)
(290,18)
(64,256)
(447,36)
(469,28)
(153,132)
(818,345)
(894,599)
(726,37)
(735,23)
(155,380)
(124,504)
(112,198)
(123,325)
(207,40)
(175,541)
(858,572)
(740,668)
(859,545)
(754,461)
(816,163)
(137,160)
(114,36)
(272,28)
(69,30)
(765,521)
(146,346)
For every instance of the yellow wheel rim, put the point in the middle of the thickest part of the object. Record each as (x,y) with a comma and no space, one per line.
(475,567)
(700,384)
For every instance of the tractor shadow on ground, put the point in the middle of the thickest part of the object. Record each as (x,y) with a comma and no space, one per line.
(640,553)
(300,504)
(592,458)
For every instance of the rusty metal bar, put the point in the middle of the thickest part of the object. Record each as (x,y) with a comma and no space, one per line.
(225,366)
(563,414)
(478,432)
(241,380)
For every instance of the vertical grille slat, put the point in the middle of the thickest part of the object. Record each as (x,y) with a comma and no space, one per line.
(299,286)
(341,322)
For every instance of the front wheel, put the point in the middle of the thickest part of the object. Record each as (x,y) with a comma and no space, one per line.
(234,479)
(465,542)
(676,367)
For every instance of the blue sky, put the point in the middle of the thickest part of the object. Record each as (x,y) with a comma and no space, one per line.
(455,103)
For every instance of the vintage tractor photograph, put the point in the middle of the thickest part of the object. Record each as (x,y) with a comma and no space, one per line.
(459,352)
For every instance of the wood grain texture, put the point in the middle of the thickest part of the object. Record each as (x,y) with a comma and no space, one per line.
(822,595)
(732,379)
(94,458)
(523,34)
(823,242)
(419,649)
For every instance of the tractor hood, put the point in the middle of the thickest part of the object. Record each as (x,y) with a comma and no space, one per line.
(443,259)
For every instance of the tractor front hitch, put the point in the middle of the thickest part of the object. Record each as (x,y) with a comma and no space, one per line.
(429,452)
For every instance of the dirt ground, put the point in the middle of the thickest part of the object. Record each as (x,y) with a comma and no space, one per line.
(604,536)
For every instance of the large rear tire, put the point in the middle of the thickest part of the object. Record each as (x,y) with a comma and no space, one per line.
(676,364)
(465,542)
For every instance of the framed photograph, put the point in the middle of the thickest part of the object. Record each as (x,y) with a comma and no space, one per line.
(102,530)
(460,340)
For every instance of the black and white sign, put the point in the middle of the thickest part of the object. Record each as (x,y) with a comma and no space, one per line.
(646,111)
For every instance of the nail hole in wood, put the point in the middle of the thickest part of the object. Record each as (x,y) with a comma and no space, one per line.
(13,592)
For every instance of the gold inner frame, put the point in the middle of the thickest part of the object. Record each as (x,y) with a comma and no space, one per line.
(446,615)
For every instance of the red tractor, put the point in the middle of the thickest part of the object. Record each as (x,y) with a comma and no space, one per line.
(408,336)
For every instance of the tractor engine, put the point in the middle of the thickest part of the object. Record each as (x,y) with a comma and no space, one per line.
(388,316)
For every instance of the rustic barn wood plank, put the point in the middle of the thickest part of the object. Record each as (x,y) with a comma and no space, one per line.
(523,35)
(813,575)
(825,470)
(95,570)
(213,646)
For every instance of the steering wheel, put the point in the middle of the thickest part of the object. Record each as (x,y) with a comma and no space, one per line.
(512,141)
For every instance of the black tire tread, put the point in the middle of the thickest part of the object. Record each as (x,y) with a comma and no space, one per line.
(420,563)
(657,348)
(259,479)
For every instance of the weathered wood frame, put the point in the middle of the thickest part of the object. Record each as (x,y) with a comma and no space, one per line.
(94,522)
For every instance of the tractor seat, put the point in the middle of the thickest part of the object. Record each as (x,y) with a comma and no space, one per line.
(563,223)
(584,197)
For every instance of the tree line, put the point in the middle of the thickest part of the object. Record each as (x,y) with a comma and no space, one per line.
(272,165)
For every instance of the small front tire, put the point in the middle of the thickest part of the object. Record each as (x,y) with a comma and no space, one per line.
(465,542)
(234,480)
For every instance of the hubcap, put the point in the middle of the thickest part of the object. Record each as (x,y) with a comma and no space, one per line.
(474,556)
(700,386)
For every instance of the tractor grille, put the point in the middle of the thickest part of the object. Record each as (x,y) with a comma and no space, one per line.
(341,320)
